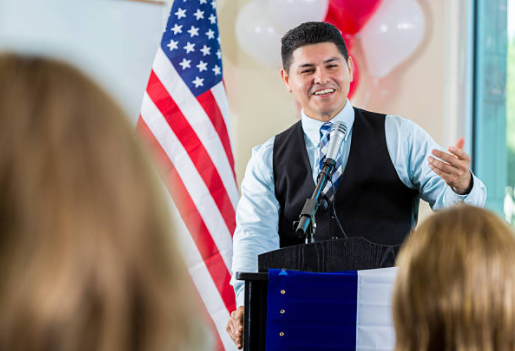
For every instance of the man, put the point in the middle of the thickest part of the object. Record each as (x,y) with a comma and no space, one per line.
(385,164)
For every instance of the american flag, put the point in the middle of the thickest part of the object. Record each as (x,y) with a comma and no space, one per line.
(184,116)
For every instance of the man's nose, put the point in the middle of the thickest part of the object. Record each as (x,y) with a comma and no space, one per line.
(321,76)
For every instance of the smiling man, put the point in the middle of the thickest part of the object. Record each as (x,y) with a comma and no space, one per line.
(384,166)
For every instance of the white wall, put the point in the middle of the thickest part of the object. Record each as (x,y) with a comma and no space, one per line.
(114,41)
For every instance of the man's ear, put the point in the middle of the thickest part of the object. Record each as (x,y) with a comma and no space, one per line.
(350,66)
(286,79)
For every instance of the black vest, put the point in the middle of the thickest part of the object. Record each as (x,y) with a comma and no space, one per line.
(371,201)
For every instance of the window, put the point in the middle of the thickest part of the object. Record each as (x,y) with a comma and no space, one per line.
(494,109)
(509,204)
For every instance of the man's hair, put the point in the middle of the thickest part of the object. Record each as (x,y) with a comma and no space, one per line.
(309,33)
(455,288)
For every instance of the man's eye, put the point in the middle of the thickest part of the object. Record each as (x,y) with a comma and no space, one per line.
(306,71)
(332,66)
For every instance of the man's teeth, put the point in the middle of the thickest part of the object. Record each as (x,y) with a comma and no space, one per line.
(325,91)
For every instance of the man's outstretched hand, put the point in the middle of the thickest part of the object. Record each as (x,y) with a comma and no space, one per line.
(235,326)
(453,167)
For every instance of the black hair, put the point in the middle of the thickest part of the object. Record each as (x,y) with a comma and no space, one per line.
(310,33)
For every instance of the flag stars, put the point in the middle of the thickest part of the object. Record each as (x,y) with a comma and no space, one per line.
(210,34)
(173,45)
(217,70)
(213,3)
(185,64)
(180,13)
(189,47)
(202,66)
(176,29)
(203,2)
(199,14)
(205,50)
(212,19)
(219,54)
(193,31)
(198,82)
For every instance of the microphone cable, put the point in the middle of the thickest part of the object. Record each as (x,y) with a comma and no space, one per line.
(334,215)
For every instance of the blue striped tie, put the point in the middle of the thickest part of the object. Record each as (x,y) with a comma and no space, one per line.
(338,170)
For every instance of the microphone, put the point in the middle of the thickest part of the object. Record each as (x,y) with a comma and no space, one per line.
(338,133)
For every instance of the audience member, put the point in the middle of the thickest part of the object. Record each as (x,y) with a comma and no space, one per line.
(455,289)
(87,259)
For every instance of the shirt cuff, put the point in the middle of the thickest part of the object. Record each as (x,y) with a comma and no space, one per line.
(240,297)
(476,196)
(461,198)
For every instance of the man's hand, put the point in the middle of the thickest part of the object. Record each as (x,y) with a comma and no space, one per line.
(454,169)
(235,326)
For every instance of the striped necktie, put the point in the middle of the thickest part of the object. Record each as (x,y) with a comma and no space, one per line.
(325,134)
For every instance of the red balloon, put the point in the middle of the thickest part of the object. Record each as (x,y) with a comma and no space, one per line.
(350,16)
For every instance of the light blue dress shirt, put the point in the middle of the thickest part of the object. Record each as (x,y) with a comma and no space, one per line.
(257,216)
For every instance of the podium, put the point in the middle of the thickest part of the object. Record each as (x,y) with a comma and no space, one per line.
(350,254)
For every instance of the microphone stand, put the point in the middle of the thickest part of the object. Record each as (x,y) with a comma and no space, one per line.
(307,225)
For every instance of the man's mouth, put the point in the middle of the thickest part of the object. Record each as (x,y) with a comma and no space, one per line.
(324,92)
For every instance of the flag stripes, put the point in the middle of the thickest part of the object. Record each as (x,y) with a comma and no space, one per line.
(182,128)
(208,103)
(197,118)
(185,118)
(206,250)
(202,280)
(202,201)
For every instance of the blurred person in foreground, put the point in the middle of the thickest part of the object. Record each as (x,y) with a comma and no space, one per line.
(87,259)
(455,289)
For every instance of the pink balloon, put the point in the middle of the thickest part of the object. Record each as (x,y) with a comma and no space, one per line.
(349,40)
(355,82)
(350,16)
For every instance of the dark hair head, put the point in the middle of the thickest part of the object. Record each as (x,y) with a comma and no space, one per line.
(310,33)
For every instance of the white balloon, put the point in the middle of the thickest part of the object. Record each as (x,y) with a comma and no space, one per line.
(288,14)
(257,35)
(391,35)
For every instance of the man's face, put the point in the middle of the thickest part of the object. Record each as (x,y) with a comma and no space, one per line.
(319,77)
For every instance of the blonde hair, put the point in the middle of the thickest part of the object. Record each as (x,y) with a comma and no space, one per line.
(455,288)
(87,260)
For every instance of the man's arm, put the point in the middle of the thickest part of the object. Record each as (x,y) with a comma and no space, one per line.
(256,226)
(410,146)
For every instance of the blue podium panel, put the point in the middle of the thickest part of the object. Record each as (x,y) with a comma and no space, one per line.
(311,311)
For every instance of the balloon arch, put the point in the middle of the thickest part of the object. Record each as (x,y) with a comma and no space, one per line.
(389,31)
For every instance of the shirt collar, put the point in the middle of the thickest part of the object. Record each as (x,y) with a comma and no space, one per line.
(312,126)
